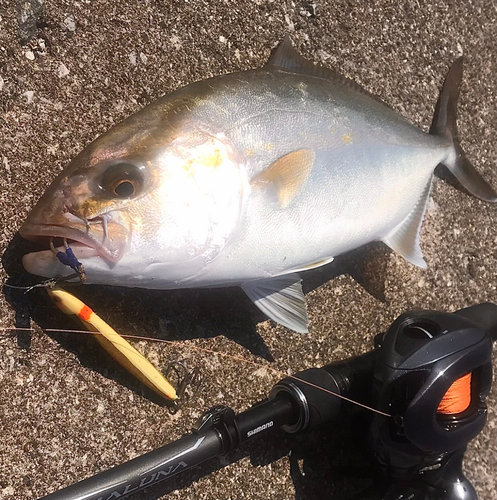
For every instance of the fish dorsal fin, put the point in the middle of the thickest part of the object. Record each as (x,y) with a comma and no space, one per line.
(404,238)
(280,298)
(286,175)
(285,57)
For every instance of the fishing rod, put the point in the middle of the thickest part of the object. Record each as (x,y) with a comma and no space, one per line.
(425,386)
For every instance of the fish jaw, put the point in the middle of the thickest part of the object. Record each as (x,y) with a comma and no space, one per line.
(104,237)
(109,244)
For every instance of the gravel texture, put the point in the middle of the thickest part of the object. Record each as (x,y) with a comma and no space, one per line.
(71,69)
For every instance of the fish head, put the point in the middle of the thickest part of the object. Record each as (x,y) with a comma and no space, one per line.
(149,191)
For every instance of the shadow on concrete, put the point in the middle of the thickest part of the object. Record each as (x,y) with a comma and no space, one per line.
(171,314)
(330,462)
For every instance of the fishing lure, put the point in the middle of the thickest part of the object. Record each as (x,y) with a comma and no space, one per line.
(119,348)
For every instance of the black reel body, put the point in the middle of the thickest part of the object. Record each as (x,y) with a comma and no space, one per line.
(420,357)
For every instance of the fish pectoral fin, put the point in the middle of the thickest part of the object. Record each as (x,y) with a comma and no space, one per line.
(286,175)
(280,298)
(404,238)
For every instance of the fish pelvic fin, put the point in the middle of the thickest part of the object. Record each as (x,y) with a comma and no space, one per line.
(404,238)
(444,125)
(280,298)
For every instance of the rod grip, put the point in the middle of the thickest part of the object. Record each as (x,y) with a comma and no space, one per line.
(146,470)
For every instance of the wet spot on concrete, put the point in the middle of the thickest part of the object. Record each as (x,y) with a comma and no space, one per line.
(29,17)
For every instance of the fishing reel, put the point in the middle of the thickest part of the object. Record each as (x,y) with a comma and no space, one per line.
(425,386)
(431,375)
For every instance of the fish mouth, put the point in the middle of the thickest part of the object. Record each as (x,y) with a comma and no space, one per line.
(100,236)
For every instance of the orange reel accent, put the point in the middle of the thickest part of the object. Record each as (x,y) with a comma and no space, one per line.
(457,398)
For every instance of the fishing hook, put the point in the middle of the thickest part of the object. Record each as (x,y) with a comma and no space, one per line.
(69,259)
(186,377)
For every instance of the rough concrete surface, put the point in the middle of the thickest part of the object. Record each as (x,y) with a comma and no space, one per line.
(71,69)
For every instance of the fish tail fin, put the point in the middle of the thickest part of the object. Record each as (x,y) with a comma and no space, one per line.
(444,125)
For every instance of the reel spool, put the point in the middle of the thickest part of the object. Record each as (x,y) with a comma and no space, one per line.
(457,399)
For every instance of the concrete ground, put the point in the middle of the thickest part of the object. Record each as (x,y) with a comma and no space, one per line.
(71,69)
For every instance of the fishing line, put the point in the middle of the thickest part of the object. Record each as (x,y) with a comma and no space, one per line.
(217,353)
(457,398)
(52,282)
(45,284)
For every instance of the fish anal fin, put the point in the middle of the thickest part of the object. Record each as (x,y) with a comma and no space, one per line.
(280,298)
(287,174)
(404,238)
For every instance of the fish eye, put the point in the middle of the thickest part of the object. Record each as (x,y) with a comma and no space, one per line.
(122,180)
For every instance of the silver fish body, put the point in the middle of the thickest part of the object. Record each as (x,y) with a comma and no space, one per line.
(247,179)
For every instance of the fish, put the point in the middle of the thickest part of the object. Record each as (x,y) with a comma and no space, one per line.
(249,179)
